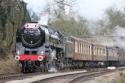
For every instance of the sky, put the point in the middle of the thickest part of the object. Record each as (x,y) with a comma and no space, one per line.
(91,9)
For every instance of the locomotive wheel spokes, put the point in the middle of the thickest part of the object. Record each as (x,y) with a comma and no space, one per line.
(45,69)
(23,69)
(27,68)
(41,67)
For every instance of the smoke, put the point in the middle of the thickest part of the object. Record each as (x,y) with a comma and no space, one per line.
(116,38)
(46,10)
(39,8)
(52,64)
(119,32)
(44,18)
(36,5)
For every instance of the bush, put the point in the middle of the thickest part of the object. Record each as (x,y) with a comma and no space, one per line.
(8,65)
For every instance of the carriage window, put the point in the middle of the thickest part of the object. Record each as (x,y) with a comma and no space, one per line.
(81,48)
(76,47)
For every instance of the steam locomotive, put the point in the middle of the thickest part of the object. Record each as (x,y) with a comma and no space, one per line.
(37,46)
(42,47)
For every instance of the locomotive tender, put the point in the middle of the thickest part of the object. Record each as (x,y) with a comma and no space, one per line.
(39,46)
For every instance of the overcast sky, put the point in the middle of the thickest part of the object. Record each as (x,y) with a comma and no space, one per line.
(91,9)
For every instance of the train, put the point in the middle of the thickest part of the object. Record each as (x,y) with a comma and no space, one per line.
(43,47)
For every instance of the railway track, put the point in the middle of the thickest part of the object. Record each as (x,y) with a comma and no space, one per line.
(77,77)
(83,78)
(11,76)
(18,76)
(64,78)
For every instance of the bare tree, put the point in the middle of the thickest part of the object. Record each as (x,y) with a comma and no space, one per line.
(113,18)
(13,14)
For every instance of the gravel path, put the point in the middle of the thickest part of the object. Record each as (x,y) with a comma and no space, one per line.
(107,78)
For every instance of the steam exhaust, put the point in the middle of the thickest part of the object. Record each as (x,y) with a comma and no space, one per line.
(52,66)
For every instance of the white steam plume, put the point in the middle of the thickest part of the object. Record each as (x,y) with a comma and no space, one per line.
(44,18)
(38,7)
(120,36)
